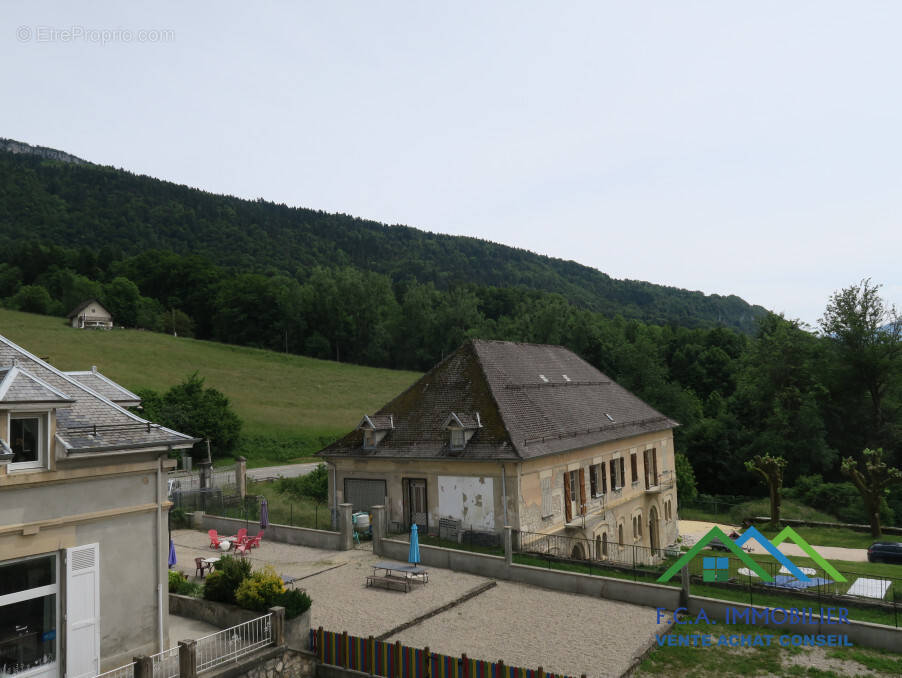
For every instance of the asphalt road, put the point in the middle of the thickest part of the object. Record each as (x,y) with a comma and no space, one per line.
(287,471)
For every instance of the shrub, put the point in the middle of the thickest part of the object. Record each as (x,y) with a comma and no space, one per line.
(222,584)
(178,583)
(261,590)
(314,484)
(839,499)
(179,519)
(295,603)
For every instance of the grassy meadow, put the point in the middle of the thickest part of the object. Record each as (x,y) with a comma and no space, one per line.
(290,405)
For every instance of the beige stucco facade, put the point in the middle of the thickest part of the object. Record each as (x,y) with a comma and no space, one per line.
(527,487)
(119,504)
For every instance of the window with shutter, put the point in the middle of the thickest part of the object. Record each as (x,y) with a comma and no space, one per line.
(622,478)
(604,480)
(634,467)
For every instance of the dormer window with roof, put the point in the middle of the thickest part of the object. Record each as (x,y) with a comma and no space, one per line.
(375,427)
(26,405)
(461,428)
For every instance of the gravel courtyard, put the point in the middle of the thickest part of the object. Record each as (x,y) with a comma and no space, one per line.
(523,625)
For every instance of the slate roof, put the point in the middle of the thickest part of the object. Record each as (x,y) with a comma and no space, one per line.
(19,387)
(106,387)
(532,400)
(91,422)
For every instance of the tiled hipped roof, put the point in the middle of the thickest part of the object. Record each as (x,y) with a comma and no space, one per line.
(86,421)
(532,400)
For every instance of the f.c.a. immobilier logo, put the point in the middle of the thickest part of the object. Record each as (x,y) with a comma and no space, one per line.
(717,568)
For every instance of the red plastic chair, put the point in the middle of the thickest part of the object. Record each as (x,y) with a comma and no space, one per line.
(254,541)
(241,549)
(214,539)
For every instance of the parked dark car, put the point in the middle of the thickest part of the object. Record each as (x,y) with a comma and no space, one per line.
(885,552)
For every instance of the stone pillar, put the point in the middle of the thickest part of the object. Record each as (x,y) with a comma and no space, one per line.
(241,476)
(197,520)
(205,469)
(345,527)
(143,667)
(278,625)
(508,546)
(187,659)
(378,527)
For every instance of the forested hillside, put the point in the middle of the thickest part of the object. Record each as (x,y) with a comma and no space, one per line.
(171,259)
(91,206)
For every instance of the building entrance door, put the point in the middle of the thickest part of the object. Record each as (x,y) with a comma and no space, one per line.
(415,509)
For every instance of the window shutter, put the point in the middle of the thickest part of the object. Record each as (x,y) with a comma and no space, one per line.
(83,611)
(634,467)
(567,512)
(654,464)
(613,474)
(604,479)
(622,472)
(582,491)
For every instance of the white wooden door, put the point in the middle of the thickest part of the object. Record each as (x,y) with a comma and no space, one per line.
(83,611)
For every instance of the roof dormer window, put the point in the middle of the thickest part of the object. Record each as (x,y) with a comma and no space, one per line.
(461,428)
(375,427)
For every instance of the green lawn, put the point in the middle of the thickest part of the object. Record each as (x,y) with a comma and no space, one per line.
(291,405)
(284,508)
(773,660)
(832,536)
(736,513)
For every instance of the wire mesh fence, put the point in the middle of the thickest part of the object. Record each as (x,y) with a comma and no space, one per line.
(295,512)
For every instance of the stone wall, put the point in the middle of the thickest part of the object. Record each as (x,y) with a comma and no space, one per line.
(279,663)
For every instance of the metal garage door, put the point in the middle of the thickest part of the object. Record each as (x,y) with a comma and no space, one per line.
(362,494)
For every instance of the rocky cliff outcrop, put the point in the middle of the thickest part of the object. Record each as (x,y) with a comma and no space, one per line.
(13,146)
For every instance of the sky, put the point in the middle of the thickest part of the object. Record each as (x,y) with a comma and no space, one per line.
(732,148)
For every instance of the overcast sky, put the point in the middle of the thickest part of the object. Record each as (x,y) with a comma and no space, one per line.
(749,149)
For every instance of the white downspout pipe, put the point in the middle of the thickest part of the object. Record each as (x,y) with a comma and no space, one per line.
(504,493)
(159,557)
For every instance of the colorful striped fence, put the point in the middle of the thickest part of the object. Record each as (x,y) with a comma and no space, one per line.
(393,660)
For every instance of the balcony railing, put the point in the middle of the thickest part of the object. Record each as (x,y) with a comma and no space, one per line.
(663,481)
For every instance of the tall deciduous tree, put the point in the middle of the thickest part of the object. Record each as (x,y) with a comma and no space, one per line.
(873,484)
(867,337)
(771,468)
(202,412)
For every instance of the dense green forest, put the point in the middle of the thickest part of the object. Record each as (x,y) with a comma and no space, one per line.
(780,389)
(94,207)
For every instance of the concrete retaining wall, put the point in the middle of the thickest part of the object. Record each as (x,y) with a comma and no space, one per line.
(299,536)
(220,615)
(223,615)
(859,633)
(637,593)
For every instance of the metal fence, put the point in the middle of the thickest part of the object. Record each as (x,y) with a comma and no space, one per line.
(294,513)
(870,597)
(234,642)
(166,663)
(127,671)
(580,549)
(186,491)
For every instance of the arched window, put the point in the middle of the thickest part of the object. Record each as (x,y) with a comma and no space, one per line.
(620,534)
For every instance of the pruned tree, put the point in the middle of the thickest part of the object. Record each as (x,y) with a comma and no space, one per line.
(873,484)
(771,468)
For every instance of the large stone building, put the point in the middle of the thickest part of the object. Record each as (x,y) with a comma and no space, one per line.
(525,435)
(83,534)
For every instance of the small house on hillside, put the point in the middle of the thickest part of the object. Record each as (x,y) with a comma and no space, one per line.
(526,435)
(91,314)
